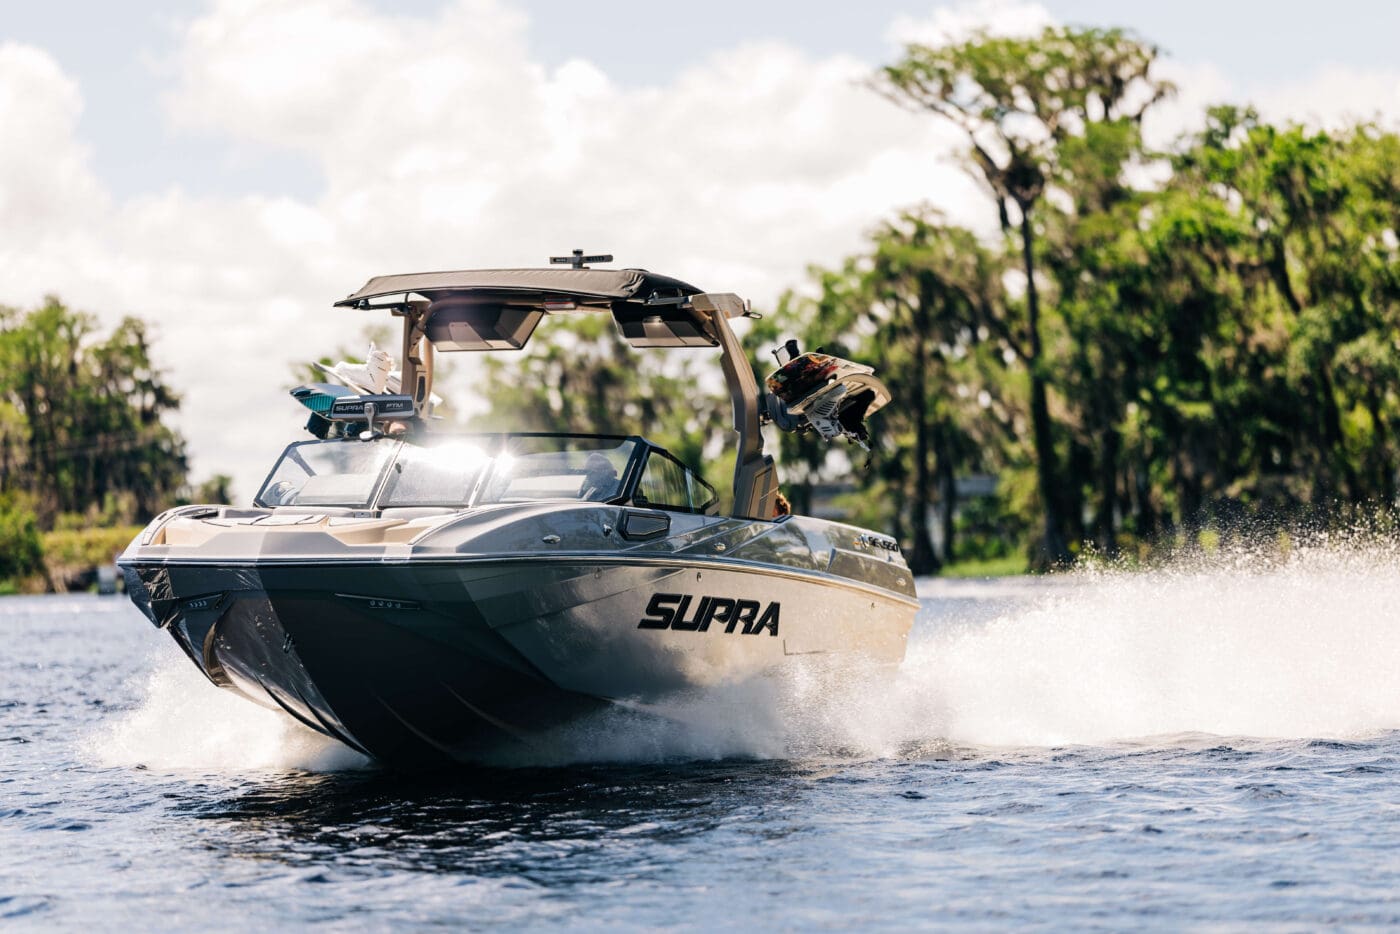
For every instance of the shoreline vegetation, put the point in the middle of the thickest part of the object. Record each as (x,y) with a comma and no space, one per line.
(86,454)
(71,558)
(1153,346)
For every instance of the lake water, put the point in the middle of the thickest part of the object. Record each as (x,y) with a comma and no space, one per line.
(1209,745)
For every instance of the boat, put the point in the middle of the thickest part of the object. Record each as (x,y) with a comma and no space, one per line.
(424,596)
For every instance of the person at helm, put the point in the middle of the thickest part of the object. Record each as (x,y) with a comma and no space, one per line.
(599,479)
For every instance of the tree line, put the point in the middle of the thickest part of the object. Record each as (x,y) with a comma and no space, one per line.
(83,441)
(1159,341)
(1155,342)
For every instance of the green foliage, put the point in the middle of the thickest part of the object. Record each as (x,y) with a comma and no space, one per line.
(920,308)
(1006,566)
(72,555)
(1029,106)
(989,530)
(21,546)
(1268,370)
(1057,113)
(83,443)
(1215,348)
(217,490)
(81,415)
(70,550)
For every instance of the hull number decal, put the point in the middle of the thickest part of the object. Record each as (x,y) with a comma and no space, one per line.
(681,612)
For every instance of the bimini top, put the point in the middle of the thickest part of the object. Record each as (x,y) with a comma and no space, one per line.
(601,284)
(498,309)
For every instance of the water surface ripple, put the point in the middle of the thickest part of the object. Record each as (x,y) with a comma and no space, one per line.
(1065,753)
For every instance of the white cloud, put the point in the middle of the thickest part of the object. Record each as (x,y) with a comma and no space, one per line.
(1329,97)
(949,24)
(1334,96)
(462,151)
(442,144)
(44,176)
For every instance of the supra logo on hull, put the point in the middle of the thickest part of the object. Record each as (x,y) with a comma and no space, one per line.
(672,611)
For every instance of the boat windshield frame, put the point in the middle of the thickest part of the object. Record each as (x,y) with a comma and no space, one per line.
(493,451)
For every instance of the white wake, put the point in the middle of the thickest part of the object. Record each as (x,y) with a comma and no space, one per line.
(182,722)
(1236,646)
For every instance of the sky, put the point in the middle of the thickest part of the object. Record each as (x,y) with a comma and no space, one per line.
(227,169)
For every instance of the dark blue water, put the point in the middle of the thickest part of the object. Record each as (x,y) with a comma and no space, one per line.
(1193,748)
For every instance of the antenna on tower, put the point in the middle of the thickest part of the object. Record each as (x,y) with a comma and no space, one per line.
(577,260)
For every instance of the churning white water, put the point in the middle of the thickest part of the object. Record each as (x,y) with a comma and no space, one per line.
(1239,646)
(184,722)
(1243,644)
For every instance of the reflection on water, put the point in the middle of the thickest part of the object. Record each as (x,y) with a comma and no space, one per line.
(489,822)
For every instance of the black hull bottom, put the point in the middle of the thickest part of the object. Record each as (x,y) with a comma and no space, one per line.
(406,688)
(398,697)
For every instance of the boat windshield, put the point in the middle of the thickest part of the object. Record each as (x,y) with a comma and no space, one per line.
(327,473)
(442,474)
(531,467)
(451,472)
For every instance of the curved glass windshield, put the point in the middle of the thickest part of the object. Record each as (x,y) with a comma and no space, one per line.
(558,467)
(451,472)
(327,473)
(443,474)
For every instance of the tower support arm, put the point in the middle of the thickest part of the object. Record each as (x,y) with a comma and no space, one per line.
(755,476)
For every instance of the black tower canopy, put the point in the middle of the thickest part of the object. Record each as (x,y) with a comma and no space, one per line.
(597,284)
(498,309)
